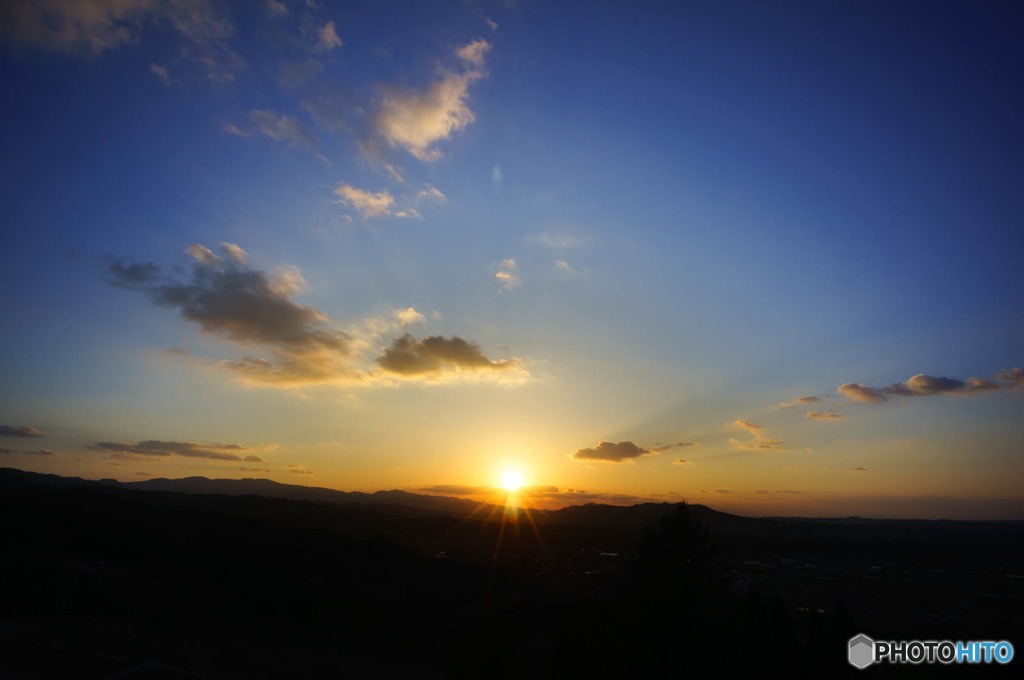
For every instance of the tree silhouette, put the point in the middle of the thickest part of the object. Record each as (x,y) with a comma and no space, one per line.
(672,559)
(681,609)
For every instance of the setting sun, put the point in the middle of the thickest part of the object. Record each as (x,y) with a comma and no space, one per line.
(511,480)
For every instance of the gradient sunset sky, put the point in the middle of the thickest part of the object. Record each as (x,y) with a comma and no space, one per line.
(761,256)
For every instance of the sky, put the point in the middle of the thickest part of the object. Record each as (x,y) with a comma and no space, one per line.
(759,256)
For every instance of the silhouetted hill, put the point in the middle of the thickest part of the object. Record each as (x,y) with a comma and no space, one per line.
(271,489)
(638,516)
(229,578)
(591,514)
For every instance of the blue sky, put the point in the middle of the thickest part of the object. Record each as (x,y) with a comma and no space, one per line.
(464,238)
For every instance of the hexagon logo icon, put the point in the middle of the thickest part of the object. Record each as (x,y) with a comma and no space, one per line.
(861,651)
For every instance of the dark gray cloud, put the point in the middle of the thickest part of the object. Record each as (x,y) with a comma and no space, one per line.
(226,298)
(678,445)
(1014,377)
(437,354)
(155,448)
(611,452)
(128,455)
(37,452)
(131,275)
(922,385)
(857,469)
(246,306)
(254,459)
(249,307)
(243,305)
(91,27)
(19,431)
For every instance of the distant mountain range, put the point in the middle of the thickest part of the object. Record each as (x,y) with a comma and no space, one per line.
(403,504)
(393,502)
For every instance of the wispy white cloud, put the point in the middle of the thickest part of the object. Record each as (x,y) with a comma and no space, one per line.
(203,254)
(327,38)
(409,316)
(282,128)
(558,240)
(760,442)
(383,203)
(565,268)
(750,427)
(233,252)
(798,401)
(416,120)
(279,127)
(276,9)
(474,53)
(368,203)
(506,274)
(160,72)
(818,415)
(431,194)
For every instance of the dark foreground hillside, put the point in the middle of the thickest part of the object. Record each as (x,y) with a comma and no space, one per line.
(103,581)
